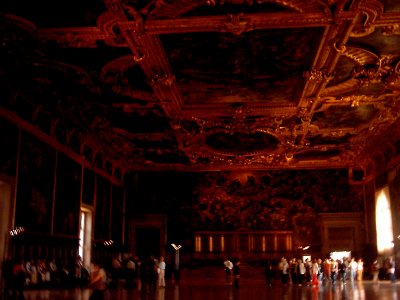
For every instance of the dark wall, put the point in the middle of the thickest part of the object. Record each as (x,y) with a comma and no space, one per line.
(49,188)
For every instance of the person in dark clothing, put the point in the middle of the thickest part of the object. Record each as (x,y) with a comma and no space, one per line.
(19,274)
(152,272)
(143,274)
(7,270)
(236,274)
(268,272)
(391,270)
(342,270)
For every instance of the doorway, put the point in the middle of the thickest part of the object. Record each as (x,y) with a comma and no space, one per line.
(148,242)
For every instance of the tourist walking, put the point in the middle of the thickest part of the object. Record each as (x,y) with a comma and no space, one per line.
(236,274)
(98,281)
(268,272)
(161,272)
(375,271)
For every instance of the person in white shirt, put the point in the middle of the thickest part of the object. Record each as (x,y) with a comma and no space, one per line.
(353,269)
(161,272)
(228,270)
(284,268)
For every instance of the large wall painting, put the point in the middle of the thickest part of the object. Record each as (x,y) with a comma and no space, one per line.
(88,187)
(276,200)
(117,214)
(9,148)
(257,200)
(102,221)
(35,185)
(68,191)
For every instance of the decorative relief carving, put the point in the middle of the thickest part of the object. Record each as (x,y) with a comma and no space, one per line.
(134,15)
(237,25)
(161,80)
(117,66)
(370,69)
(361,56)
(20,23)
(370,11)
(134,41)
(355,100)
(391,30)
(77,38)
(255,125)
(363,31)
(235,2)
(242,140)
(113,5)
(318,75)
(114,73)
(387,70)
(294,5)
(392,77)
(340,47)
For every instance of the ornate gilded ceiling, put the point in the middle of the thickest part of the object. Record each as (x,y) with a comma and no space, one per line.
(211,85)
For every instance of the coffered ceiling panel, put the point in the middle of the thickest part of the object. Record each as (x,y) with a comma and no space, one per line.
(258,66)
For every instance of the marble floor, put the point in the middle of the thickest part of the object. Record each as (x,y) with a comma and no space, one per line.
(192,288)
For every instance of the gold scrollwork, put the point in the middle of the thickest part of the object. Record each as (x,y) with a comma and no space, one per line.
(391,30)
(162,79)
(318,75)
(339,47)
(354,100)
(364,31)
(139,55)
(238,24)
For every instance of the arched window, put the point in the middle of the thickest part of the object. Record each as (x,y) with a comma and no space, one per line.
(383,216)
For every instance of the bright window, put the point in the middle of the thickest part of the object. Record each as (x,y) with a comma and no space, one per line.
(85,233)
(384,229)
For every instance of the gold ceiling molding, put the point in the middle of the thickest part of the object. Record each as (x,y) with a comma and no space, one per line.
(370,11)
(361,56)
(369,68)
(318,75)
(113,73)
(116,68)
(391,30)
(20,22)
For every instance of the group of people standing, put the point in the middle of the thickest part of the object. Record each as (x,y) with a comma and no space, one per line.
(318,271)
(138,273)
(313,272)
(19,274)
(146,274)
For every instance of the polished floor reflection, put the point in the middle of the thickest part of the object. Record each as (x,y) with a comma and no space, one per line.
(201,287)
